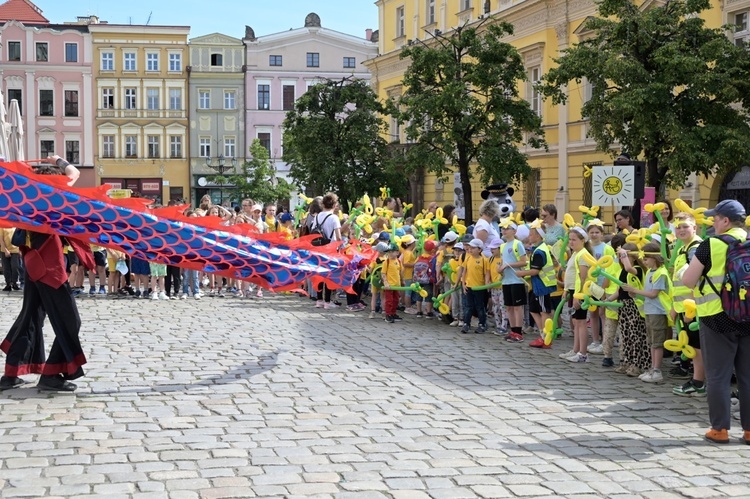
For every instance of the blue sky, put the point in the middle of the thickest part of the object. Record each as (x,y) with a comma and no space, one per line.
(223,16)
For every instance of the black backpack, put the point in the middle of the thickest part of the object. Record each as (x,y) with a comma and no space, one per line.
(317,229)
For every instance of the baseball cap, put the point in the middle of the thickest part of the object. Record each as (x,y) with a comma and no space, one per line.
(496,242)
(449,237)
(393,247)
(384,236)
(729,208)
(476,243)
(459,246)
(286,217)
(466,238)
(257,207)
(382,247)
(429,245)
(407,239)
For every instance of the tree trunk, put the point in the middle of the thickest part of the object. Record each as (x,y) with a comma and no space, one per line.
(463,169)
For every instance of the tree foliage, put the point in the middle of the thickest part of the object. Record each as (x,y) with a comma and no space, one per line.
(664,86)
(333,140)
(461,105)
(257,178)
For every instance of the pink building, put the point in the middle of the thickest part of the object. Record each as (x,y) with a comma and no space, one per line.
(281,67)
(47,68)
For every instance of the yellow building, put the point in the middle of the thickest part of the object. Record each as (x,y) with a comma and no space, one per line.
(141,107)
(542,29)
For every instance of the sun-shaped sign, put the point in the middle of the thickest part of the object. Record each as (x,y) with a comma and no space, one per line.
(613,185)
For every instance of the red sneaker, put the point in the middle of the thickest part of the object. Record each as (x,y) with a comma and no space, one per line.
(539,343)
(514,338)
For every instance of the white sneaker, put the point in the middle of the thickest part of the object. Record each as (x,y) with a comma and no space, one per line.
(567,354)
(320,304)
(330,305)
(454,323)
(645,373)
(372,315)
(163,296)
(410,311)
(197,296)
(596,349)
(654,376)
(184,296)
(579,357)
(154,296)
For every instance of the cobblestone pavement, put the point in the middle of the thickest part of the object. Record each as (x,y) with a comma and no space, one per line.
(274,398)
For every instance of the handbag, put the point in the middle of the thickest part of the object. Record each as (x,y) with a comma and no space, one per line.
(19,238)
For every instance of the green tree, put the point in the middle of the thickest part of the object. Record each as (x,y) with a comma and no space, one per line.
(333,140)
(461,105)
(257,178)
(664,86)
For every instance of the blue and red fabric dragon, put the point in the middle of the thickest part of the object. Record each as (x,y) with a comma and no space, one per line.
(45,203)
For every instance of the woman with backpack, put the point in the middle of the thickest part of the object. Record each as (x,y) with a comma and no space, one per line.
(327,226)
(724,329)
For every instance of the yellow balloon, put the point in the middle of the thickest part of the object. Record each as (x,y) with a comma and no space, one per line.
(659,206)
(649,208)
(683,337)
(423,293)
(444,309)
(673,345)
(588,258)
(606,261)
(688,352)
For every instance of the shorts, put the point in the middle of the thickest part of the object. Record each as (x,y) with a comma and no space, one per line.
(514,295)
(578,314)
(100,258)
(158,269)
(540,304)
(139,266)
(657,330)
(72,258)
(694,337)
(426,287)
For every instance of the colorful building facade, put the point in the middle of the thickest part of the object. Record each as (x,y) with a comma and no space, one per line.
(542,29)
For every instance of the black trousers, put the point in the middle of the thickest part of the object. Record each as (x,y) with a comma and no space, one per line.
(173,276)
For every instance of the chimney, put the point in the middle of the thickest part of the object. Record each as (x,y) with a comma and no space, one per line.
(368,34)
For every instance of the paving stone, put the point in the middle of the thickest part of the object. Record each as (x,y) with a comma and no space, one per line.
(304,404)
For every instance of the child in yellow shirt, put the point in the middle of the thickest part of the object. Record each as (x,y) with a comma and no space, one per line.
(392,277)
(474,273)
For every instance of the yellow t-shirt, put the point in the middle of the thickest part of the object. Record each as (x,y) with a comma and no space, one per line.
(408,256)
(474,270)
(7,235)
(392,272)
(495,276)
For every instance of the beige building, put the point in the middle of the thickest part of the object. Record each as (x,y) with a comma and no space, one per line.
(140,86)
(542,30)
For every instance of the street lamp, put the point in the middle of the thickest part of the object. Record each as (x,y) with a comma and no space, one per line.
(221,165)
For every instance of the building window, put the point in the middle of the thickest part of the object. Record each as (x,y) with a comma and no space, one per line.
(71,103)
(265,140)
(153,146)
(152,99)
(130,98)
(17,94)
(108,146)
(588,89)
(534,98)
(71,52)
(46,148)
(741,33)
(175,99)
(274,60)
(430,11)
(465,4)
(204,99)
(175,146)
(131,146)
(42,52)
(230,147)
(229,100)
(313,59)
(108,61)
(129,61)
(264,96)
(217,60)
(350,62)
(46,104)
(108,98)
(204,147)
(287,97)
(72,154)
(14,51)
(152,62)
(400,22)
(175,62)
(533,193)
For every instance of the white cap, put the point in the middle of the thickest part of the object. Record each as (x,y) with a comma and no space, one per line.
(449,237)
